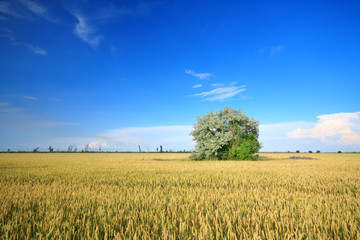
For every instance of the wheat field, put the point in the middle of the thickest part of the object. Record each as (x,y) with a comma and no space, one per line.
(164,196)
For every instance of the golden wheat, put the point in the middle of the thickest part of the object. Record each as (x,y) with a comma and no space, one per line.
(134,196)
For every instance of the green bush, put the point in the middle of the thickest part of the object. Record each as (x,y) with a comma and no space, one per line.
(245,147)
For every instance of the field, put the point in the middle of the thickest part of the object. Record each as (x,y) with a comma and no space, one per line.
(134,196)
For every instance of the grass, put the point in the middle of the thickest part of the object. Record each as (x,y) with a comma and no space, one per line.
(138,196)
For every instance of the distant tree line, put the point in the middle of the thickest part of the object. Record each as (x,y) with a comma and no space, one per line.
(87,149)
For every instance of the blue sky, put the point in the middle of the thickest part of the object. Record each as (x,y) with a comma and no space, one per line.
(119,74)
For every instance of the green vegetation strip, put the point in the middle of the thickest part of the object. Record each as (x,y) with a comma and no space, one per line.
(126,196)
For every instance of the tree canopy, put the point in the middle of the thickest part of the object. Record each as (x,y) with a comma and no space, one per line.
(227,134)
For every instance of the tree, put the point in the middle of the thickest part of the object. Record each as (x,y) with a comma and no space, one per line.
(227,134)
(70,148)
(51,149)
(161,150)
(36,150)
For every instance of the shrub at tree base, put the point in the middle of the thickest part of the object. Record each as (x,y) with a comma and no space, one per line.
(226,135)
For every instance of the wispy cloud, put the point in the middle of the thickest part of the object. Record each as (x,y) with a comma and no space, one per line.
(217,84)
(35,49)
(272,51)
(221,93)
(5,108)
(338,128)
(30,98)
(35,8)
(276,49)
(85,31)
(8,10)
(201,76)
(32,48)
(197,86)
(25,9)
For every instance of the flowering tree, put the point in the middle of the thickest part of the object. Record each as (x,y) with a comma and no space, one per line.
(227,134)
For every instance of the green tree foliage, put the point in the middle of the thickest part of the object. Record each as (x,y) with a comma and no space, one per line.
(51,149)
(227,134)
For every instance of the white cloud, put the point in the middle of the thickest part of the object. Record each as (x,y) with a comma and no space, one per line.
(26,10)
(128,139)
(30,98)
(220,94)
(276,49)
(5,108)
(217,84)
(6,9)
(4,104)
(201,76)
(174,137)
(334,129)
(35,49)
(34,7)
(273,50)
(86,32)
(197,86)
(98,144)
(274,137)
(11,36)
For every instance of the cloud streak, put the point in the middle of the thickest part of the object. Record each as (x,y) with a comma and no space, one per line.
(221,93)
(86,32)
(197,86)
(273,50)
(276,49)
(35,8)
(34,49)
(6,9)
(202,76)
(5,108)
(30,98)
(333,129)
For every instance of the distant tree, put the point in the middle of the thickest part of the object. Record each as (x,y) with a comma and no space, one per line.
(318,151)
(297,151)
(161,148)
(86,148)
(157,149)
(9,150)
(139,148)
(227,134)
(70,148)
(310,151)
(51,149)
(339,152)
(36,150)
